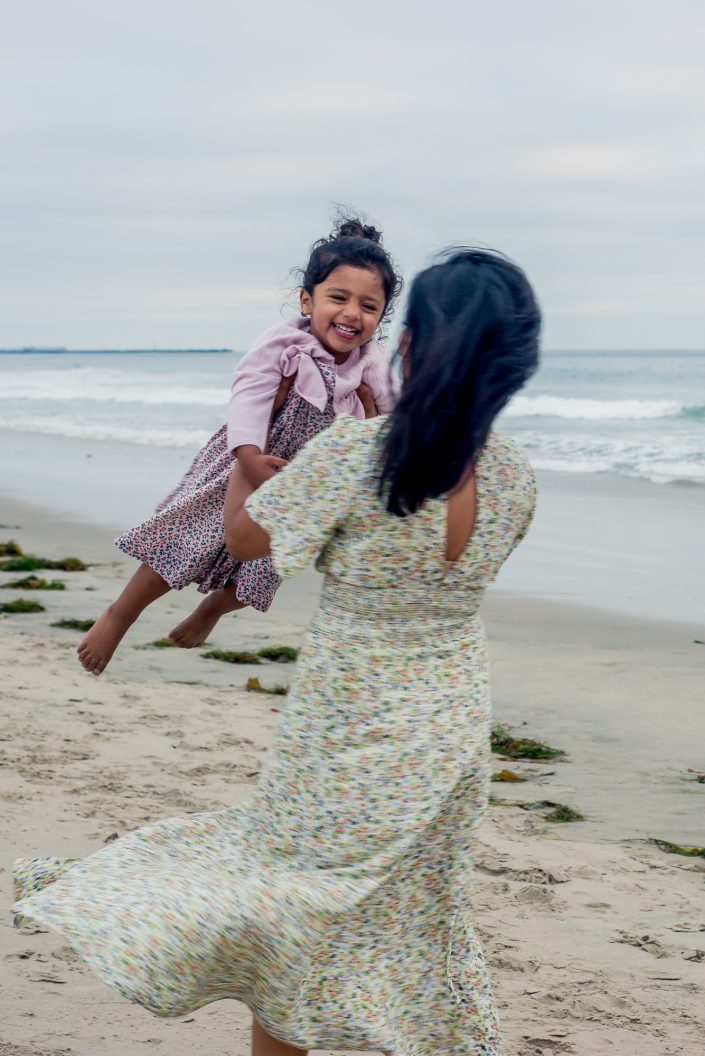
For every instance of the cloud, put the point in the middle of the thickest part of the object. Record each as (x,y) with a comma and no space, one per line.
(163,159)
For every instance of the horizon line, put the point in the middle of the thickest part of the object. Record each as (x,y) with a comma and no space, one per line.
(62,350)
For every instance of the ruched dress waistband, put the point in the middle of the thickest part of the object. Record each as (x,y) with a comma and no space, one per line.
(399,612)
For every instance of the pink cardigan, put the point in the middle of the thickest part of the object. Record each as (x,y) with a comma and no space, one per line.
(289,349)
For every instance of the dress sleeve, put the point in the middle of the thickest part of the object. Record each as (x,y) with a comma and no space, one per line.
(377,374)
(524,493)
(252,396)
(302,506)
(529,494)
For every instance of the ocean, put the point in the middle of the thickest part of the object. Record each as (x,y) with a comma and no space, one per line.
(637,414)
(617,438)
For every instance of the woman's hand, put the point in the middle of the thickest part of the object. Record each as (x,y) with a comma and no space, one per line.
(367,400)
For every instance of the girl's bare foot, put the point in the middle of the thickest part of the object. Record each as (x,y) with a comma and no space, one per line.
(98,646)
(195,628)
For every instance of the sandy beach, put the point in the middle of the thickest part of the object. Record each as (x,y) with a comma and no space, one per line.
(594,936)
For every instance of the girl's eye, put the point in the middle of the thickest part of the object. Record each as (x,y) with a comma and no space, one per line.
(371,308)
(336,297)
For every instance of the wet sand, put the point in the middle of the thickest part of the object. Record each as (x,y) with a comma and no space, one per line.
(598,539)
(595,938)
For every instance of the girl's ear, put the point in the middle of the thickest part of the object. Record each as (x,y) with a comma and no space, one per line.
(306,302)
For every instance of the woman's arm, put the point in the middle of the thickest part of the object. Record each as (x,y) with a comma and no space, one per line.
(293,516)
(244,539)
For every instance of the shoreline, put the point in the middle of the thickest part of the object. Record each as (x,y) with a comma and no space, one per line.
(602,541)
(593,936)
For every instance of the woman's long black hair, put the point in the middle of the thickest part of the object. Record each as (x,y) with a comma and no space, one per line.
(472,326)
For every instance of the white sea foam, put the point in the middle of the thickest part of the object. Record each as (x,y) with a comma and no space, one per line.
(105,385)
(152,436)
(657,433)
(660,461)
(544,406)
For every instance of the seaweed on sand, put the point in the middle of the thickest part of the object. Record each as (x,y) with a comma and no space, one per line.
(677,848)
(69,564)
(21,605)
(562,812)
(10,549)
(31,563)
(74,625)
(33,582)
(24,563)
(162,643)
(255,686)
(282,654)
(232,656)
(559,812)
(504,743)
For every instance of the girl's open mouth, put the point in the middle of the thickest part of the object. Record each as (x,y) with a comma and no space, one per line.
(347,332)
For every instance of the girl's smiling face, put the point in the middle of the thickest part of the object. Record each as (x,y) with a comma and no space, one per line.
(345,309)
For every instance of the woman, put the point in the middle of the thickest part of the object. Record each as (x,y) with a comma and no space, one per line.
(335,904)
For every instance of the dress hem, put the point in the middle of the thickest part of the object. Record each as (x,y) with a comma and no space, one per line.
(22,915)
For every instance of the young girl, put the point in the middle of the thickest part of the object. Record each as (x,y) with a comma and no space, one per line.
(288,388)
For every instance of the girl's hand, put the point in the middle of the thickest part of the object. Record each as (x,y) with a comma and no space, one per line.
(265,466)
(258,467)
(367,400)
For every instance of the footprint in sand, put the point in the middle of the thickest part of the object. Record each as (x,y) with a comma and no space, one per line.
(643,942)
(537,896)
(548,1047)
(8,1049)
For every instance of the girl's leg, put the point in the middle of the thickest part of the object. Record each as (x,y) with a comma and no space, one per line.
(263,1044)
(98,646)
(195,628)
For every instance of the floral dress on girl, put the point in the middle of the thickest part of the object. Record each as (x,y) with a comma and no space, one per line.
(184,541)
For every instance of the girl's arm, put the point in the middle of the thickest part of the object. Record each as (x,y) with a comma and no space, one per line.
(258,392)
(254,466)
(254,390)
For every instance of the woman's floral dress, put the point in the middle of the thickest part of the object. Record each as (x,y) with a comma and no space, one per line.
(336,903)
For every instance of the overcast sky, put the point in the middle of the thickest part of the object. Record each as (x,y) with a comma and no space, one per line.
(165,163)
